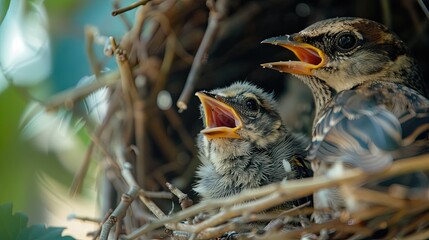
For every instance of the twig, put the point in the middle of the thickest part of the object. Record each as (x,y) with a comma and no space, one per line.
(387,16)
(78,178)
(149,194)
(419,235)
(69,97)
(119,212)
(371,196)
(217,13)
(246,195)
(333,224)
(90,32)
(276,193)
(424,8)
(159,133)
(177,124)
(80,175)
(81,218)
(184,200)
(413,225)
(215,232)
(126,199)
(136,109)
(129,7)
(152,207)
(128,89)
(98,231)
(123,17)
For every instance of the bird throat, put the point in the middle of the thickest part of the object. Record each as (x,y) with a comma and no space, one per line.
(322,93)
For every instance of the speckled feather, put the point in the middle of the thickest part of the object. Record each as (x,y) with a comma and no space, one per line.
(372,125)
(367,98)
(371,106)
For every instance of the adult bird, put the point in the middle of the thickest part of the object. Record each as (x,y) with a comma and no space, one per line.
(244,143)
(370,101)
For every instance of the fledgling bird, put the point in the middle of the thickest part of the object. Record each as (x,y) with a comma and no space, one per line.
(244,143)
(371,107)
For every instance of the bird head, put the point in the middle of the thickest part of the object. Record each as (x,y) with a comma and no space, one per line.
(346,52)
(241,111)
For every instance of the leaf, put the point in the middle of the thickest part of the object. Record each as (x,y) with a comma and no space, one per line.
(40,232)
(14,227)
(11,224)
(4,5)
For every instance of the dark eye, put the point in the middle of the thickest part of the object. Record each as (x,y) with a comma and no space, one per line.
(251,104)
(346,41)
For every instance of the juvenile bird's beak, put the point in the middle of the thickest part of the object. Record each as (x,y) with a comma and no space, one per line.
(221,120)
(310,57)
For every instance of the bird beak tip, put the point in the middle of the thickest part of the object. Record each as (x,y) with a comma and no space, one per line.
(267,65)
(278,40)
(271,40)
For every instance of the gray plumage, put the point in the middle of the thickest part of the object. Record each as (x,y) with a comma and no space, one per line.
(264,153)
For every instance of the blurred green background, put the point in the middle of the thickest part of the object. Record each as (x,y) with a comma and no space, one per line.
(35,175)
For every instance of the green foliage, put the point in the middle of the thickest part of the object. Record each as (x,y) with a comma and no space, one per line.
(11,224)
(4,5)
(14,226)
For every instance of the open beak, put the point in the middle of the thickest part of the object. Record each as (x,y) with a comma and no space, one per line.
(309,56)
(221,120)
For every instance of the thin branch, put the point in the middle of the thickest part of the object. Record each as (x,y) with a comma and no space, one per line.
(276,193)
(424,8)
(83,218)
(123,17)
(96,233)
(78,178)
(177,123)
(419,235)
(217,13)
(184,200)
(80,175)
(128,89)
(90,32)
(69,97)
(130,7)
(149,194)
(126,199)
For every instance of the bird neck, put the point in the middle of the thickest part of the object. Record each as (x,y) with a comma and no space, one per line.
(404,70)
(322,93)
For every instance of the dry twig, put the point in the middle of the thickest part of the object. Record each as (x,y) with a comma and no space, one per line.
(130,7)
(217,13)
(256,200)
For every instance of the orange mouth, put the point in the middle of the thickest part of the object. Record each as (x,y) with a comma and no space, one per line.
(221,120)
(309,56)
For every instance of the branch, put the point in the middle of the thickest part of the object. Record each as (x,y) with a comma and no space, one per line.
(217,13)
(69,97)
(80,175)
(130,7)
(90,32)
(126,198)
(256,200)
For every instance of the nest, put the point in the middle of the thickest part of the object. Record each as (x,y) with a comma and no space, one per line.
(173,48)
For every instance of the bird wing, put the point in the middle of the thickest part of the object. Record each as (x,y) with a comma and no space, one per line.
(356,130)
(415,133)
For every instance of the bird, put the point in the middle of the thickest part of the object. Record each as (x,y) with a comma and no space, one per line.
(371,107)
(245,144)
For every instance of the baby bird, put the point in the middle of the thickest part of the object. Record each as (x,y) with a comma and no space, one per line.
(244,143)
(370,101)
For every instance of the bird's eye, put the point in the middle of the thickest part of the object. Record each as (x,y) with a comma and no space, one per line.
(251,104)
(346,41)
